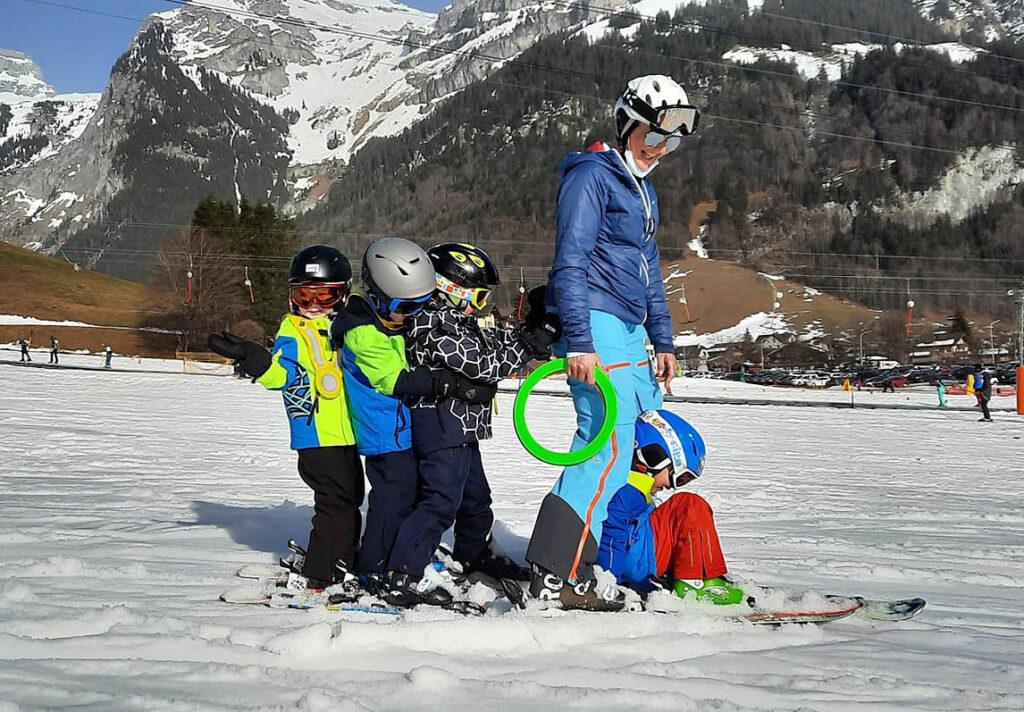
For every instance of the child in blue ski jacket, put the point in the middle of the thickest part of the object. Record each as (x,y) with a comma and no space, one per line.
(677,539)
(369,331)
(446,432)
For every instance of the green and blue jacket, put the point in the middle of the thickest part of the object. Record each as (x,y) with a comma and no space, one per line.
(305,369)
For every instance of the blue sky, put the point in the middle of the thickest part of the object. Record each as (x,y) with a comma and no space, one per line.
(77,49)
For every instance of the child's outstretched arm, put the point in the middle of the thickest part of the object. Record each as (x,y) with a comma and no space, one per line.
(253,358)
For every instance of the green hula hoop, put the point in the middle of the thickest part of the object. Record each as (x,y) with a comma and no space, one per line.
(572,457)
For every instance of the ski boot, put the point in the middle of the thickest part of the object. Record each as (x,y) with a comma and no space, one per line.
(583,596)
(495,565)
(345,587)
(295,561)
(720,590)
(403,591)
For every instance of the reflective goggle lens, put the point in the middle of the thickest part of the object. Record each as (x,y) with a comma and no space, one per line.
(321,295)
(681,118)
(656,138)
(679,478)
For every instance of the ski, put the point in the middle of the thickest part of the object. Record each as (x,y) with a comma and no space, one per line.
(870,609)
(261,572)
(900,609)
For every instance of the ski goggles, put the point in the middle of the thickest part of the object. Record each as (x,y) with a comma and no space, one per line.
(677,119)
(479,297)
(406,307)
(306,296)
(655,138)
(675,457)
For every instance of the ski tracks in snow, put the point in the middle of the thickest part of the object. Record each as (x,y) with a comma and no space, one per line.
(128,500)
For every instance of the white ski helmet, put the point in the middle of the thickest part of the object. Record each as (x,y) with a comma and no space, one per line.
(658,101)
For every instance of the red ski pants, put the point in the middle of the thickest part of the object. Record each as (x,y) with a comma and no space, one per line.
(685,539)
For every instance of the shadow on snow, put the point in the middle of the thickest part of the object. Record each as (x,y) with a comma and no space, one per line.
(259,528)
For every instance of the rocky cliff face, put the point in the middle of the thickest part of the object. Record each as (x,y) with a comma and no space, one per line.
(21,79)
(161,137)
(319,77)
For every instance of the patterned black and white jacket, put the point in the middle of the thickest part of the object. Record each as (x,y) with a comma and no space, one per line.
(442,337)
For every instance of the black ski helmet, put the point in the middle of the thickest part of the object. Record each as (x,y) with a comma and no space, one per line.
(465,265)
(320,264)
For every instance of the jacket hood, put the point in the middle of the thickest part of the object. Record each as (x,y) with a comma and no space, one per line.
(600,153)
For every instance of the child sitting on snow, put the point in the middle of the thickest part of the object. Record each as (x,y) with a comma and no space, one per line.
(677,539)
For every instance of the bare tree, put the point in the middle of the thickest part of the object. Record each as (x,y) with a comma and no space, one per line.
(891,335)
(210,299)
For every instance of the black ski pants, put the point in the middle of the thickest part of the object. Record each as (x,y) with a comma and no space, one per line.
(393,480)
(983,402)
(452,488)
(335,474)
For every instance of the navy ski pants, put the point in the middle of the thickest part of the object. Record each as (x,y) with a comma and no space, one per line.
(393,480)
(453,489)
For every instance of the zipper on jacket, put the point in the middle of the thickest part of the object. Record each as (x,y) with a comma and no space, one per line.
(645,198)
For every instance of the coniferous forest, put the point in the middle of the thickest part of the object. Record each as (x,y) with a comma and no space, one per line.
(806,175)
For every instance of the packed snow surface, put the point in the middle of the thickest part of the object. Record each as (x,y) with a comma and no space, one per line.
(17,320)
(832,60)
(129,499)
(759,324)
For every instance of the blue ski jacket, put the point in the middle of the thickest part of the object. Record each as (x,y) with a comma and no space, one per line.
(627,539)
(606,257)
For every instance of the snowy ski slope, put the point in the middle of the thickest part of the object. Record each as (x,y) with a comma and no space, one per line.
(127,500)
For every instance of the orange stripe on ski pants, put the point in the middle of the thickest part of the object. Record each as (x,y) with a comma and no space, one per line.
(574,571)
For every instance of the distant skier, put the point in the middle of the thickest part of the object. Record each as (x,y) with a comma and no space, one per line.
(607,287)
(304,367)
(676,540)
(54,346)
(983,391)
(108,354)
(25,356)
(941,390)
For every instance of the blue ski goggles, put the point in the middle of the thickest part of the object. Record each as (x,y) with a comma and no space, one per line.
(405,307)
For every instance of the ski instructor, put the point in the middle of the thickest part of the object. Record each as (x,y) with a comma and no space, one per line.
(607,288)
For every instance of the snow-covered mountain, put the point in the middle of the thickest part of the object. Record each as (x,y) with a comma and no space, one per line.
(21,79)
(337,73)
(342,72)
(994,19)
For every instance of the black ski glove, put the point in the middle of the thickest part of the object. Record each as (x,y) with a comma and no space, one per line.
(541,328)
(451,385)
(253,358)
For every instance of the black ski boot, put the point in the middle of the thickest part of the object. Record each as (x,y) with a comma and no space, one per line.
(401,590)
(582,596)
(346,587)
(497,566)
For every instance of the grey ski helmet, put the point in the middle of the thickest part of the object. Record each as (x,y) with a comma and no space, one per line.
(396,270)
